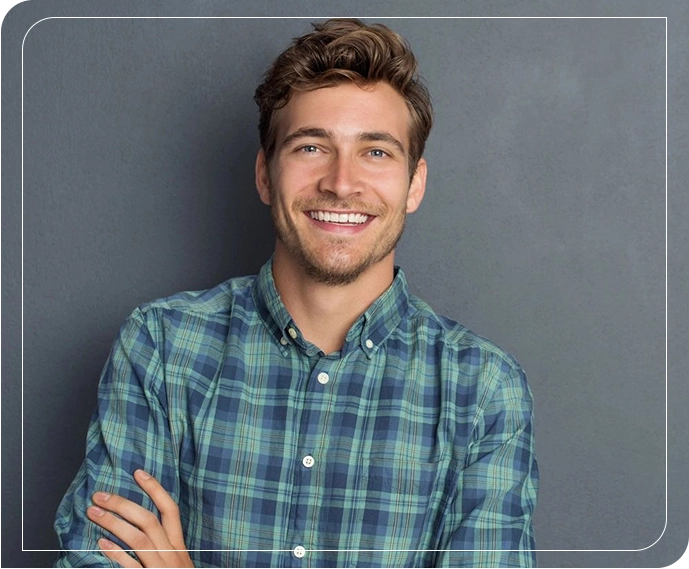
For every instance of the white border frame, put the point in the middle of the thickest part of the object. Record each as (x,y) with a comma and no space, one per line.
(367,18)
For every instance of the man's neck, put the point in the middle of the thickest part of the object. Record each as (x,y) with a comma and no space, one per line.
(325,313)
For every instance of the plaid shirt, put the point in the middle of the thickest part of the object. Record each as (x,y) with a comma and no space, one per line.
(411,446)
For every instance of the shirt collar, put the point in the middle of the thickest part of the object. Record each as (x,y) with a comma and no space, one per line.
(369,331)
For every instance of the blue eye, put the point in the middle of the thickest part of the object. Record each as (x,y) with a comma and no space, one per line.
(378,153)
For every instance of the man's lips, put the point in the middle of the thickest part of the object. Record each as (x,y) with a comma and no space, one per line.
(339,217)
(340,222)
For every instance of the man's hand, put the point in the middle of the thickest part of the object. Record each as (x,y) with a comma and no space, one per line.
(156,543)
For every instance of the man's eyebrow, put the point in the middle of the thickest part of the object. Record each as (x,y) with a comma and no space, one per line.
(307,132)
(382,137)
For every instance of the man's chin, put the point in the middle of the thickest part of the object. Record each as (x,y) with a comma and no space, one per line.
(334,273)
(338,262)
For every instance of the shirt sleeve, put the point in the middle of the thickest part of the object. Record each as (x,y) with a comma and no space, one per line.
(128,430)
(489,522)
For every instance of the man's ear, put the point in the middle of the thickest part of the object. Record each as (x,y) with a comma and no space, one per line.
(262,177)
(417,187)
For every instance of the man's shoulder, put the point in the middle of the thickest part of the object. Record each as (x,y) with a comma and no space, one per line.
(454,336)
(217,300)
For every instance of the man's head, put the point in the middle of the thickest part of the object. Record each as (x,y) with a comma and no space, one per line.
(339,51)
(344,120)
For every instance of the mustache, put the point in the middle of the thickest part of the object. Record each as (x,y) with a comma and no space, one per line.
(347,205)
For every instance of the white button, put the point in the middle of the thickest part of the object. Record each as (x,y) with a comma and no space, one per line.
(284,341)
(299,551)
(308,461)
(369,344)
(323,378)
(293,333)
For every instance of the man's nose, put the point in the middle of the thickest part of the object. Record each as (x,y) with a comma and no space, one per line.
(342,177)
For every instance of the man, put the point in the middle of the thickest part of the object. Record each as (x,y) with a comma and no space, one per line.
(316,414)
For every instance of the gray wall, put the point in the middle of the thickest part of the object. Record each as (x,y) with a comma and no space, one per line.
(543,228)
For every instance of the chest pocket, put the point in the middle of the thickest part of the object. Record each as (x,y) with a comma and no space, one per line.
(397,511)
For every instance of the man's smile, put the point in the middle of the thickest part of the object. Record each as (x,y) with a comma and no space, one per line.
(339,217)
(341,223)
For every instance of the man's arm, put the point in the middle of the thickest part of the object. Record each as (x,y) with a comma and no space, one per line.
(498,485)
(129,431)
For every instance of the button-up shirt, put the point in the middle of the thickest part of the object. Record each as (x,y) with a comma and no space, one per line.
(410,446)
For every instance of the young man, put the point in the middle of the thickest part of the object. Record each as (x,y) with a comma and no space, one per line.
(316,414)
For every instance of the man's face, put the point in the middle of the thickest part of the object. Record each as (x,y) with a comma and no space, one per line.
(338,183)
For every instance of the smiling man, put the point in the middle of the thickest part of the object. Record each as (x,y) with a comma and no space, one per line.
(317,414)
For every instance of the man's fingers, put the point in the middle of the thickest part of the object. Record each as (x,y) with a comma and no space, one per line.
(157,543)
(141,543)
(169,511)
(117,554)
(151,554)
(130,512)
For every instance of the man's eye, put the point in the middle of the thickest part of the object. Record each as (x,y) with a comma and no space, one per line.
(309,149)
(378,153)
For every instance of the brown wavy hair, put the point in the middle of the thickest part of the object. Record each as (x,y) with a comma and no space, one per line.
(339,50)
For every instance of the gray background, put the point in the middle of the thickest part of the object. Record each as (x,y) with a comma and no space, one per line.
(543,228)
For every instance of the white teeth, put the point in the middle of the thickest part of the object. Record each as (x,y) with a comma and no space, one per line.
(333,217)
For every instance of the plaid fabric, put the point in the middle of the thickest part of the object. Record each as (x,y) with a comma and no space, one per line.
(412,446)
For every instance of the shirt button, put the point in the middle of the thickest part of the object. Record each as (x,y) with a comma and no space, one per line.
(308,461)
(299,551)
(369,344)
(323,378)
(284,341)
(293,333)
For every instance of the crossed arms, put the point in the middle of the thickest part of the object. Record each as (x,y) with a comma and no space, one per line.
(135,428)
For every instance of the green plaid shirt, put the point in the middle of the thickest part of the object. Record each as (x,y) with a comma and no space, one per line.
(411,446)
